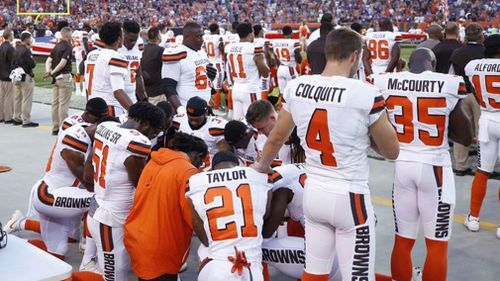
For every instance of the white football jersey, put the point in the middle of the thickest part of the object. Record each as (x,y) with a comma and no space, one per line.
(72,120)
(113,190)
(212,43)
(250,154)
(212,132)
(57,173)
(231,203)
(78,44)
(96,41)
(335,146)
(380,45)
(285,51)
(99,65)
(243,69)
(484,75)
(419,106)
(230,38)
(292,177)
(188,68)
(133,56)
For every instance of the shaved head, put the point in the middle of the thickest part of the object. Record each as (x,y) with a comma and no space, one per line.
(422,59)
(192,36)
(435,31)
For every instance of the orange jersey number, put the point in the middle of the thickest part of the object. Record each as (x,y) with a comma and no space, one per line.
(283,54)
(318,137)
(406,135)
(210,49)
(133,71)
(201,82)
(100,163)
(90,71)
(241,67)
(229,231)
(378,50)
(489,80)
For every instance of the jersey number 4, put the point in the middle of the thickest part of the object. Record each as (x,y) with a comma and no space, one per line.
(229,231)
(100,162)
(378,50)
(318,137)
(406,135)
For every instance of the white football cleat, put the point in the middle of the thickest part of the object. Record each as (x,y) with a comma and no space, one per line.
(417,274)
(14,224)
(91,266)
(498,232)
(82,244)
(471,223)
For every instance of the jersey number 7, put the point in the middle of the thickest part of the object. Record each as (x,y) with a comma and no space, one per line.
(243,192)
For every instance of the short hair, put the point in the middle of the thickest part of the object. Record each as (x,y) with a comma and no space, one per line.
(325,28)
(25,35)
(188,143)
(234,131)
(153,33)
(287,30)
(258,110)
(189,27)
(492,46)
(97,107)
(166,107)
(385,24)
(110,32)
(66,30)
(7,33)
(257,29)
(451,29)
(213,27)
(107,119)
(147,112)
(341,43)
(225,156)
(244,29)
(473,32)
(62,24)
(161,27)
(234,25)
(131,26)
(327,17)
(356,26)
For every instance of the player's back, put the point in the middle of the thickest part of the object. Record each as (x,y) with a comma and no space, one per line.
(243,68)
(333,115)
(99,66)
(484,74)
(232,203)
(380,45)
(285,51)
(293,177)
(230,38)
(212,46)
(419,106)
(113,189)
(133,57)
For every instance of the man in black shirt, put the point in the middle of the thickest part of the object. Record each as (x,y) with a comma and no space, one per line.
(6,66)
(23,98)
(445,48)
(473,49)
(58,65)
(316,50)
(151,67)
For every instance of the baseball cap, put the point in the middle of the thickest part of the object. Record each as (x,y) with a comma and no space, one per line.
(224,156)
(196,106)
(97,107)
(492,43)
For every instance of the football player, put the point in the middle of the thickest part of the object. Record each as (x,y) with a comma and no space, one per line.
(214,45)
(80,48)
(336,158)
(196,122)
(485,77)
(425,108)
(287,51)
(95,109)
(186,70)
(383,49)
(229,204)
(244,141)
(119,155)
(247,70)
(132,51)
(106,71)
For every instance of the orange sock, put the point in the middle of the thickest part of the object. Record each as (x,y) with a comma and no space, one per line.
(230,100)
(478,191)
(32,225)
(401,265)
(382,277)
(217,99)
(41,245)
(314,277)
(265,272)
(86,276)
(264,95)
(436,261)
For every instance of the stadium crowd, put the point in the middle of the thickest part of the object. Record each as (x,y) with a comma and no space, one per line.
(176,13)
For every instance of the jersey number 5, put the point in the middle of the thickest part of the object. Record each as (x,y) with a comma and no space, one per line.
(491,88)
(318,137)
(229,231)
(378,50)
(100,162)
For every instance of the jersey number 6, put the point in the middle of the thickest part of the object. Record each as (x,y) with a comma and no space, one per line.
(248,229)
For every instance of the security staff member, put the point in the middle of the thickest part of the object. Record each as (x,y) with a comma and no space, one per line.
(58,65)
(6,89)
(151,67)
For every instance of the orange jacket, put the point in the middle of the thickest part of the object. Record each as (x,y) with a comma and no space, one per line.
(158,229)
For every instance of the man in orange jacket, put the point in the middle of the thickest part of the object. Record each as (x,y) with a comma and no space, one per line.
(159,228)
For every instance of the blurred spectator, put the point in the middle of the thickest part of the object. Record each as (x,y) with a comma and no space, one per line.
(435,33)
(6,88)
(445,48)
(23,99)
